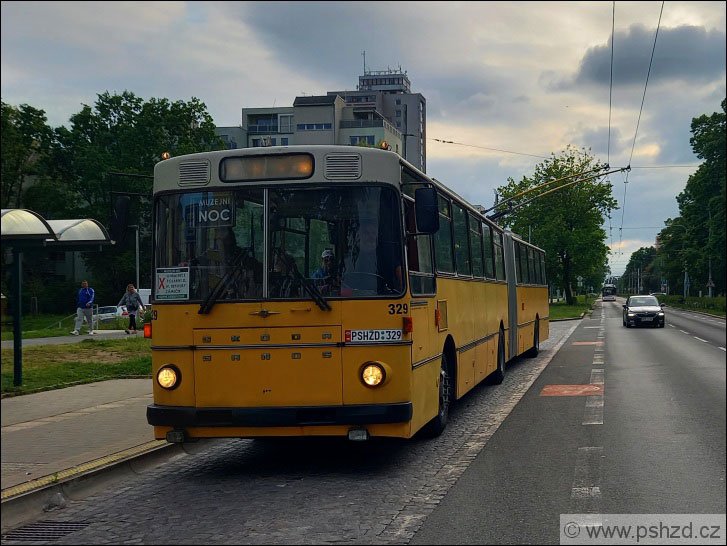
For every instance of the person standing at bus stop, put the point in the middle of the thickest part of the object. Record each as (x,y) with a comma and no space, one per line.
(84,308)
(134,304)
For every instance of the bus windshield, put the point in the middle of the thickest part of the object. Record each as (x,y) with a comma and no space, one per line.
(335,242)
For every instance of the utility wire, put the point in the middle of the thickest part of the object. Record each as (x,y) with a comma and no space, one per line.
(547,157)
(486,148)
(668,167)
(610,94)
(643,98)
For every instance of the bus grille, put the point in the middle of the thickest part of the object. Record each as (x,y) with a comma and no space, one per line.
(343,166)
(194,173)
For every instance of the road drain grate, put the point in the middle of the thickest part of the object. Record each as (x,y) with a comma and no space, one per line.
(44,530)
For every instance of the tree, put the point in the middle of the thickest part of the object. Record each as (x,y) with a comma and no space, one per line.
(642,274)
(118,134)
(696,240)
(24,138)
(565,223)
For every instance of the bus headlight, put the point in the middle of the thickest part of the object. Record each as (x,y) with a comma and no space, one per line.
(373,374)
(168,377)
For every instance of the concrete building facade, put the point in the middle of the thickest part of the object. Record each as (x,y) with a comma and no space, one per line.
(381,109)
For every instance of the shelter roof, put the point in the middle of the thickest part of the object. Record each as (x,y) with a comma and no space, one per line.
(27,228)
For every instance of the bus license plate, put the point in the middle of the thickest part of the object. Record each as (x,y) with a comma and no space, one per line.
(372,336)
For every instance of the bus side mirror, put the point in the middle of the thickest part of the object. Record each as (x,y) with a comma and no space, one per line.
(427,210)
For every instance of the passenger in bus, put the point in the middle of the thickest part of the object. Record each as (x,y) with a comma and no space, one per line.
(284,283)
(326,276)
(242,272)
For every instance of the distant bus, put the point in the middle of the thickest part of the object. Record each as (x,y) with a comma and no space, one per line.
(327,291)
(609,292)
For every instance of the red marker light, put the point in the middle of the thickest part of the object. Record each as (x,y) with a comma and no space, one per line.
(408,325)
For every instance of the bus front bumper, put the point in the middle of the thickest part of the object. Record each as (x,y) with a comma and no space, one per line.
(365,414)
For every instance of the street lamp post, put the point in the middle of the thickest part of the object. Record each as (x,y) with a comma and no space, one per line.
(684,259)
(136,230)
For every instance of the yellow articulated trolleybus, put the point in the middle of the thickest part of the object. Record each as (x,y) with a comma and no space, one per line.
(327,291)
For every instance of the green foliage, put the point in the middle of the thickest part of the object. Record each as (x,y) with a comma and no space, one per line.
(715,305)
(695,241)
(565,223)
(25,140)
(73,169)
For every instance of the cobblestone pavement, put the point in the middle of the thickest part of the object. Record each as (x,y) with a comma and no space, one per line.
(296,491)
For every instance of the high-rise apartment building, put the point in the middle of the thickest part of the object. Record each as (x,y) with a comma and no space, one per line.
(381,109)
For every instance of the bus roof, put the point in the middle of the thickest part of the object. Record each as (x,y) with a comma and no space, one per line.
(352,165)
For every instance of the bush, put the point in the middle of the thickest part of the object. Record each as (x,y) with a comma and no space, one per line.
(712,304)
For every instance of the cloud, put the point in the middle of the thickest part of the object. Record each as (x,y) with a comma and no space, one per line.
(683,54)
(523,77)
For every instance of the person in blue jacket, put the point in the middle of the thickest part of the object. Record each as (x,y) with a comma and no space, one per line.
(84,308)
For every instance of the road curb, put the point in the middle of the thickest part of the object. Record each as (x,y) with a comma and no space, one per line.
(30,500)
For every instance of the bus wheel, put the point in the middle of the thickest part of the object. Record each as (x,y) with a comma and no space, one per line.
(498,376)
(436,426)
(535,349)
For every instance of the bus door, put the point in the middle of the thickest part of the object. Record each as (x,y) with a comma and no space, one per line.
(510,274)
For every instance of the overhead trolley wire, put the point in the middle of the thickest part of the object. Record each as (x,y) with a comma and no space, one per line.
(638,121)
(610,93)
(485,148)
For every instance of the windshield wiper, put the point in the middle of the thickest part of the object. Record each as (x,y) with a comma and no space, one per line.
(308,286)
(230,276)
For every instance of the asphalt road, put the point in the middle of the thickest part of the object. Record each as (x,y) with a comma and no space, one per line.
(656,445)
(644,435)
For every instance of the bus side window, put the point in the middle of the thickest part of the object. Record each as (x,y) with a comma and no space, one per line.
(419,256)
(499,258)
(462,259)
(476,245)
(443,241)
(487,244)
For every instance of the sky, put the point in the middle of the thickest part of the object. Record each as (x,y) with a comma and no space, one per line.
(510,83)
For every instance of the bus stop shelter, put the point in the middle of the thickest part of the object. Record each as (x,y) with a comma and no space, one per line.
(25,230)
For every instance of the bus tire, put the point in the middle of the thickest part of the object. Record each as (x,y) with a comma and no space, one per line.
(436,426)
(535,349)
(498,376)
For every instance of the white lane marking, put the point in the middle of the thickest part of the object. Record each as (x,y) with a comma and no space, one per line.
(597,376)
(725,350)
(586,489)
(670,325)
(683,332)
(700,339)
(591,327)
(593,414)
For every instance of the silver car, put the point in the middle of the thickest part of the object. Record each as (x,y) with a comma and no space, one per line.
(644,310)
(108,313)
